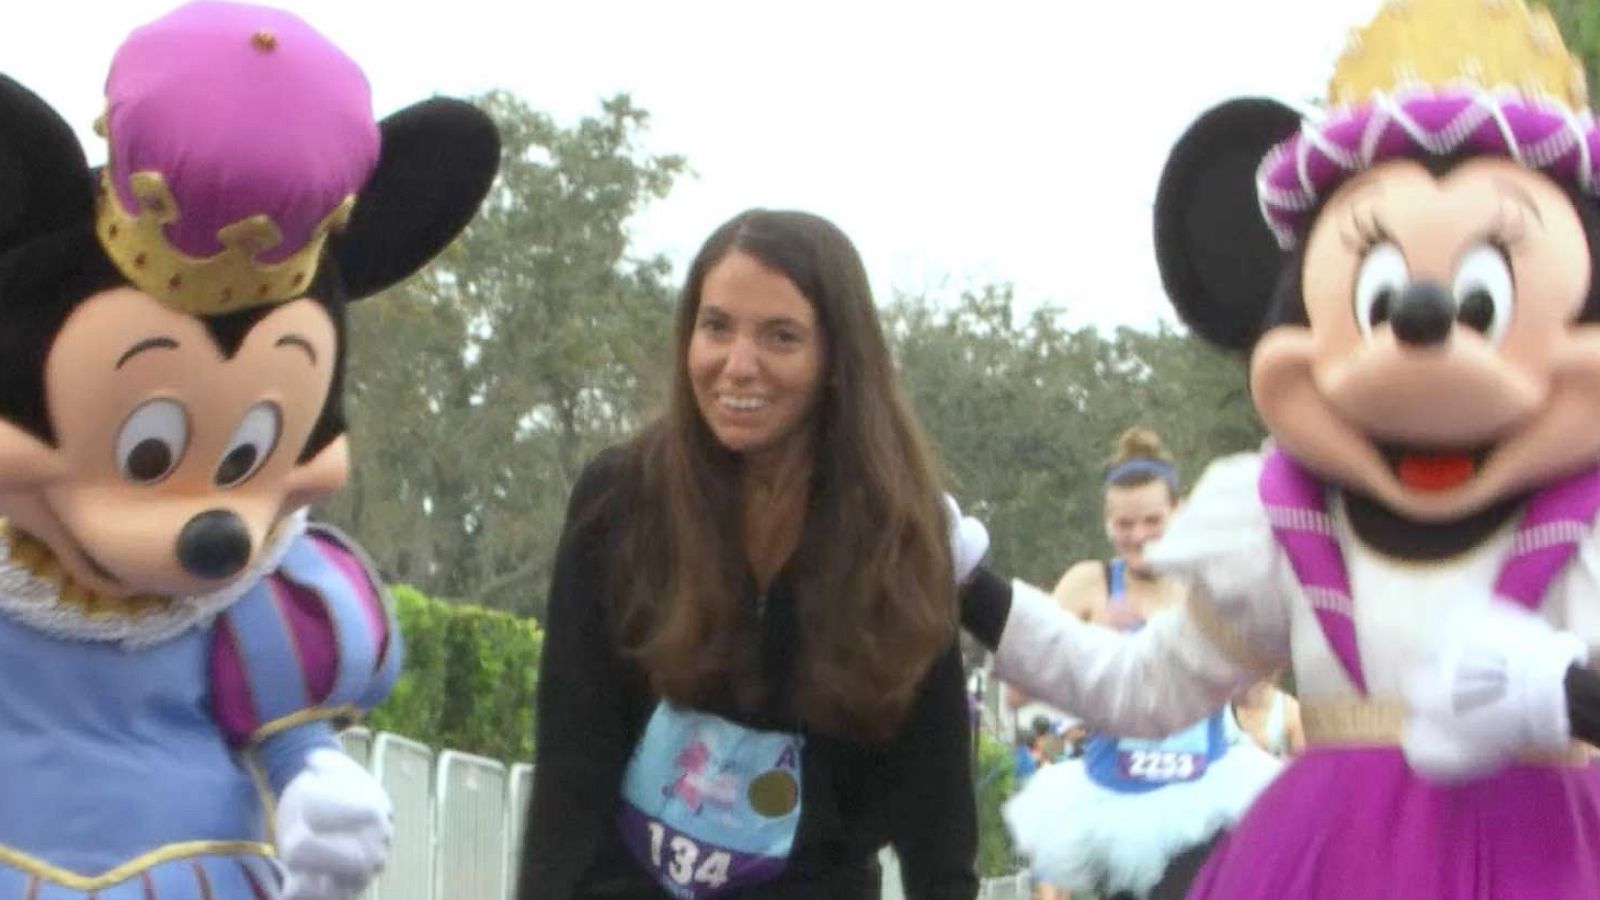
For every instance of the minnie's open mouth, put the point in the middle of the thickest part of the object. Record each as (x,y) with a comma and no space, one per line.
(1434,468)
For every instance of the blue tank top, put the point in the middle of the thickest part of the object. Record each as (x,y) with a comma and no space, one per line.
(1134,765)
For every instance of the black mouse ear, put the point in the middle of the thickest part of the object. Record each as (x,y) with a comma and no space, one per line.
(45,184)
(1218,261)
(436,162)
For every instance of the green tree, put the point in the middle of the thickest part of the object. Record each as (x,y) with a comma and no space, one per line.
(478,388)
(1026,412)
(1580,25)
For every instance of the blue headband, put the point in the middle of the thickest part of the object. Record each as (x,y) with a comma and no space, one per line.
(1153,467)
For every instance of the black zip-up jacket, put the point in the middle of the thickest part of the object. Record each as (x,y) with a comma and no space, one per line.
(914,792)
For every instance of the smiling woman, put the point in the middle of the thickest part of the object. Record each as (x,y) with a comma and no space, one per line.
(755,358)
(1134,818)
(751,680)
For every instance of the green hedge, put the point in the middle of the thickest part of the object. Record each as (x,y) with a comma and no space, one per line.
(468,681)
(994,781)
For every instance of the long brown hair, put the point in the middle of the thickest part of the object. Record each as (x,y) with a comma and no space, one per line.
(874,593)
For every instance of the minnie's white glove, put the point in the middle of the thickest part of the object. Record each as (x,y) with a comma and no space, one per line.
(334,825)
(969,540)
(1492,690)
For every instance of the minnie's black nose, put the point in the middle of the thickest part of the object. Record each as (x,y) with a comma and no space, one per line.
(1424,315)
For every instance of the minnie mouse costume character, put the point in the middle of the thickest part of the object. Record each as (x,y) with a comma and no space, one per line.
(1414,279)
(176,642)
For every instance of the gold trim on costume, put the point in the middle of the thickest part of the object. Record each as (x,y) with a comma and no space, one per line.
(228,281)
(342,716)
(36,556)
(74,881)
(1352,722)
(269,800)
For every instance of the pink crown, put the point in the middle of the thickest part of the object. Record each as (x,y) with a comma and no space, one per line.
(239,140)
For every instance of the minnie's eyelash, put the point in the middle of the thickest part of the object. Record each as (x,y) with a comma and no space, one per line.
(1364,231)
(1364,235)
(1507,231)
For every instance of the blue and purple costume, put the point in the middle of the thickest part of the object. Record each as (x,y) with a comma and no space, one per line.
(142,749)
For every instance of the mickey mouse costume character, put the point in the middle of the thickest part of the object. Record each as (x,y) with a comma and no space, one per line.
(176,642)
(1414,279)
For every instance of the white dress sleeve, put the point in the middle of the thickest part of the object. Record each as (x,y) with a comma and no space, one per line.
(1221,543)
(1187,661)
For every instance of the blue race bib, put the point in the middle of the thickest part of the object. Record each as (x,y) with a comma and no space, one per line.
(1131,765)
(710,806)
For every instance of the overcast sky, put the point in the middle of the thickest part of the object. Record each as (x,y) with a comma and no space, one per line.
(956,143)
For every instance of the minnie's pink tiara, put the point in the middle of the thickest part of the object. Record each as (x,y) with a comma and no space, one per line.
(1301,172)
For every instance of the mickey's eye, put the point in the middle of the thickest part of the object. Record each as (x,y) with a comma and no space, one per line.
(1484,291)
(252,442)
(152,440)
(1382,277)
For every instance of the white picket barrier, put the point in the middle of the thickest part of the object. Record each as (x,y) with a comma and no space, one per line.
(470,803)
(404,767)
(460,822)
(1010,887)
(357,743)
(519,787)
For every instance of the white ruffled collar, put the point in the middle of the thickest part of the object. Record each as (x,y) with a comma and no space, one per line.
(56,606)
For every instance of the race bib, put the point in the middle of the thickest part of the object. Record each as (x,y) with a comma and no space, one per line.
(710,806)
(1134,765)
(1157,765)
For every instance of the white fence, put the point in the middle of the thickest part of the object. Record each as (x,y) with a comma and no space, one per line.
(1011,887)
(458,824)
(405,767)
(473,830)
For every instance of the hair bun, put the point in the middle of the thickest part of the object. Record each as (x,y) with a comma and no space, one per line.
(1139,443)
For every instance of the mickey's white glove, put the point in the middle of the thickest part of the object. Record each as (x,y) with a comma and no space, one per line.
(969,540)
(334,825)
(1493,690)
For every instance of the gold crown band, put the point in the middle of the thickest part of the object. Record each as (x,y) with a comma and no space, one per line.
(1495,45)
(229,281)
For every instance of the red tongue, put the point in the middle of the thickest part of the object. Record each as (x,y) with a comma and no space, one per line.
(1435,471)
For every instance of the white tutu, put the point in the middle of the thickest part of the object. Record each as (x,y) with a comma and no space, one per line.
(1080,835)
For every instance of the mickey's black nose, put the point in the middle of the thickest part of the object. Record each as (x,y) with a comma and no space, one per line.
(1424,315)
(215,544)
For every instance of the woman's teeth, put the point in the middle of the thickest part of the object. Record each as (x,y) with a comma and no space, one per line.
(742,404)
